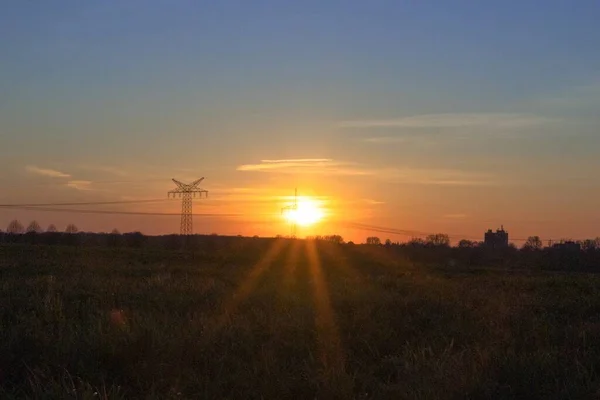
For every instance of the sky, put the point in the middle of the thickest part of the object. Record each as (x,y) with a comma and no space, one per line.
(425,116)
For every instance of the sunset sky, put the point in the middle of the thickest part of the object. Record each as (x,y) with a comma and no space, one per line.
(430,116)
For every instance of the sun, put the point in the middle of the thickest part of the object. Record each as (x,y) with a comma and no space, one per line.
(307,212)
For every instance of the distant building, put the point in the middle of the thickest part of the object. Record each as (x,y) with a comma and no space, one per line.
(498,239)
(567,246)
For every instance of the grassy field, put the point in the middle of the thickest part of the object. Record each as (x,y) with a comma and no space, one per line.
(289,319)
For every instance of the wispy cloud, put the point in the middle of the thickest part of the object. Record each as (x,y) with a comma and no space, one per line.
(46,172)
(372,202)
(298,160)
(436,176)
(449,120)
(386,139)
(407,175)
(80,185)
(305,163)
(427,140)
(306,166)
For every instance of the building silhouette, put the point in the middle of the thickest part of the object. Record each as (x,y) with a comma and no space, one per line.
(498,239)
(568,245)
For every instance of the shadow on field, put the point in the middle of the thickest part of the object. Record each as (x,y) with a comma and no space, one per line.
(291,319)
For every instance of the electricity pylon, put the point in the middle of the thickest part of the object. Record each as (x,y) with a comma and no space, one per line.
(292,209)
(186,192)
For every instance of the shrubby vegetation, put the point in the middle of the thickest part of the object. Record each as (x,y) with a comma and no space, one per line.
(277,318)
(126,316)
(435,248)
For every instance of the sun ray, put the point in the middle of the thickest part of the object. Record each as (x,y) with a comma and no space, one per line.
(248,284)
(328,338)
(291,265)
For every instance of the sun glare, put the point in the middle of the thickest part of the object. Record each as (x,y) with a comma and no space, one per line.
(307,212)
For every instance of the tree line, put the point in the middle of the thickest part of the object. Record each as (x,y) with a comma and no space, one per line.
(434,249)
(15,227)
(533,243)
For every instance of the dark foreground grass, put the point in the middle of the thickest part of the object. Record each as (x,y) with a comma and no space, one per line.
(290,320)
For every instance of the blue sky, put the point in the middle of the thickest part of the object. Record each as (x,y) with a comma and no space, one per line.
(440,115)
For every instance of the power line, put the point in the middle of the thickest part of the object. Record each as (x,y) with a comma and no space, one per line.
(87,203)
(94,203)
(380,229)
(111,212)
(48,207)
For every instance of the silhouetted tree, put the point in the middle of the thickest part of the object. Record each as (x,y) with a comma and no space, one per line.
(34,227)
(71,238)
(334,239)
(533,243)
(15,228)
(71,229)
(373,240)
(589,245)
(51,228)
(114,238)
(33,231)
(136,239)
(416,242)
(466,244)
(438,240)
(388,243)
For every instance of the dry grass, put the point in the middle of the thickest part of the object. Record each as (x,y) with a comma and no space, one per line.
(289,321)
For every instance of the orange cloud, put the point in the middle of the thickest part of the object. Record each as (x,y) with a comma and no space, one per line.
(456,120)
(407,175)
(80,185)
(46,172)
